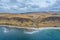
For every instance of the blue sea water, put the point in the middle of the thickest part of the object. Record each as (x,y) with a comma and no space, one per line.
(19,34)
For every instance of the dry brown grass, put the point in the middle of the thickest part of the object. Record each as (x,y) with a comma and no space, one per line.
(34,20)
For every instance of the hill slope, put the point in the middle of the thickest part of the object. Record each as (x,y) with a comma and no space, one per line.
(31,20)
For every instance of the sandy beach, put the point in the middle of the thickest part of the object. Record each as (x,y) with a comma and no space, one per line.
(29,30)
(41,28)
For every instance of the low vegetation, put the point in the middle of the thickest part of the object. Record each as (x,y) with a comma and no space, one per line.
(31,20)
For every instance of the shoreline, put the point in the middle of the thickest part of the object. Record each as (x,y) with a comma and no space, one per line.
(31,27)
(30,30)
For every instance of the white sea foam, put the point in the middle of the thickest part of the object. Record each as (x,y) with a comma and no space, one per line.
(5,30)
(30,32)
(31,28)
(40,29)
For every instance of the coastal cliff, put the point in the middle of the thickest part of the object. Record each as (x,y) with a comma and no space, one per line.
(31,20)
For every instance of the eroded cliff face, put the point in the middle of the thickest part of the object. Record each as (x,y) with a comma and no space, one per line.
(15,20)
(30,20)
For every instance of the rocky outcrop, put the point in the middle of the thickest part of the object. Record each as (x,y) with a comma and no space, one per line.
(51,19)
(22,20)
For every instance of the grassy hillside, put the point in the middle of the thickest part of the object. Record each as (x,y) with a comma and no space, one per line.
(30,20)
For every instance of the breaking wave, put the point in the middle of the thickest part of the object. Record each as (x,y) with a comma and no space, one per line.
(40,29)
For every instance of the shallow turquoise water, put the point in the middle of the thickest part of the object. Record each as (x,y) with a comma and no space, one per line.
(19,34)
(49,34)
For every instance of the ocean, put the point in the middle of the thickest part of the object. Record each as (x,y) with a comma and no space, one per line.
(20,34)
